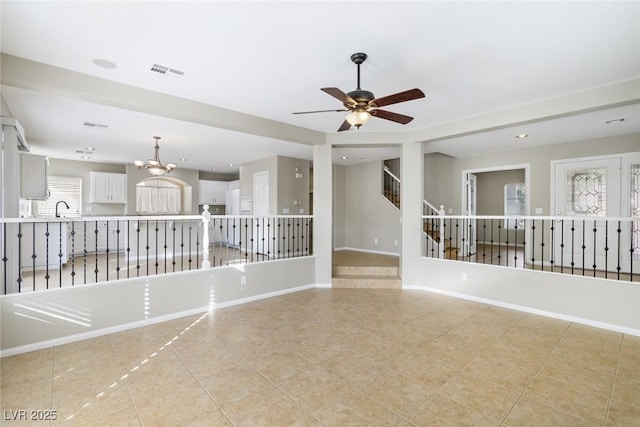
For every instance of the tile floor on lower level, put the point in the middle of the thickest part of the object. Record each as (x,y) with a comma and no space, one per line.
(336,357)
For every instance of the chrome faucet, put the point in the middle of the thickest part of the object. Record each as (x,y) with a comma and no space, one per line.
(65,204)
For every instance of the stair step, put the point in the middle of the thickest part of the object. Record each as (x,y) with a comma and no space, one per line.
(360,270)
(370,282)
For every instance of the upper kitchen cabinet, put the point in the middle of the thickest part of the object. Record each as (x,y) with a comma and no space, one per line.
(108,187)
(212,192)
(33,179)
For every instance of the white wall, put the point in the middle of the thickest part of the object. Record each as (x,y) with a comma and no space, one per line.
(43,319)
(602,303)
(368,214)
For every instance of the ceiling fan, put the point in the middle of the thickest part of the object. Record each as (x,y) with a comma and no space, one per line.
(362,104)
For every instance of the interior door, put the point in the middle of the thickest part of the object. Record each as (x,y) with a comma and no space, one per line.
(470,225)
(586,190)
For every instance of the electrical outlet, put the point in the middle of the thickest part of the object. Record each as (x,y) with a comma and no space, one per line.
(375,241)
(243,280)
(463,277)
(395,242)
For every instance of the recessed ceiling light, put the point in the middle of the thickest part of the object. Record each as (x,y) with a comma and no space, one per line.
(89,148)
(183,159)
(344,158)
(85,157)
(214,169)
(103,63)
(231,164)
(522,135)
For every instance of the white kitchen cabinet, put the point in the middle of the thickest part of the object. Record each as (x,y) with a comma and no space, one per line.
(33,179)
(212,192)
(108,187)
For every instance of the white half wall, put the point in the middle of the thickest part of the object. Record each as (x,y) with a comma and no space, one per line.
(43,319)
(607,304)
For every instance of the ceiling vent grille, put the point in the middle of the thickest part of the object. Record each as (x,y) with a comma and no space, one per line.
(616,120)
(167,71)
(95,125)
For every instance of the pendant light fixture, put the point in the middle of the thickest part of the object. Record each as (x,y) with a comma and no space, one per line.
(154,165)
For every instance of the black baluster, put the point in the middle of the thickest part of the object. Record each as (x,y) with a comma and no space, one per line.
(181,246)
(84,252)
(128,249)
(198,247)
(33,253)
(542,245)
(19,280)
(107,250)
(137,248)
(117,249)
(491,241)
(584,246)
(484,240)
(4,255)
(173,261)
(190,245)
(147,247)
(499,242)
(595,247)
(619,268)
(97,238)
(157,263)
(73,255)
(606,249)
(533,244)
(573,243)
(59,253)
(46,235)
(165,246)
(553,244)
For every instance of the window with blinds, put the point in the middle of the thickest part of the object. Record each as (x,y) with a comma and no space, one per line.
(65,188)
(514,204)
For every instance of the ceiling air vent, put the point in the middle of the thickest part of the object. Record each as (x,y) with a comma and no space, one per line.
(95,125)
(167,71)
(616,120)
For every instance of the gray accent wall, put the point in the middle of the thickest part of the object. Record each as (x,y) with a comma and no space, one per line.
(368,214)
(284,187)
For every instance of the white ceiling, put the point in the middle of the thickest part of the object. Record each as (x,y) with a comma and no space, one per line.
(269,59)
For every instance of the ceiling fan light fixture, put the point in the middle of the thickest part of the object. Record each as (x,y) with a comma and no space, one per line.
(358,118)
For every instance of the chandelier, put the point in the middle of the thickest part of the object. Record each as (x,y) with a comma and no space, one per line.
(154,165)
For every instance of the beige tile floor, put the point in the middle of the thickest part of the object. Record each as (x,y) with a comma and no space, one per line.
(336,357)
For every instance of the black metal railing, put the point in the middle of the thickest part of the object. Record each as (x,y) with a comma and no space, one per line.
(596,247)
(40,254)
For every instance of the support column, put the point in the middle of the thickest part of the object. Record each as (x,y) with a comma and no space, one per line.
(322,212)
(9,204)
(411,195)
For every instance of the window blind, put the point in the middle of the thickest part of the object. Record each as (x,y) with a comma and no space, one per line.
(65,188)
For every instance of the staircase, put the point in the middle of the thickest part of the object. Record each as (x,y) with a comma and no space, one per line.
(352,269)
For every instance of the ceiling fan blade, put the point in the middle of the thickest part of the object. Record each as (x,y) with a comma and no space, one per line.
(394,117)
(319,111)
(345,126)
(338,94)
(407,95)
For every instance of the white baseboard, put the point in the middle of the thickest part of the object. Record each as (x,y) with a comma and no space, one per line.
(587,322)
